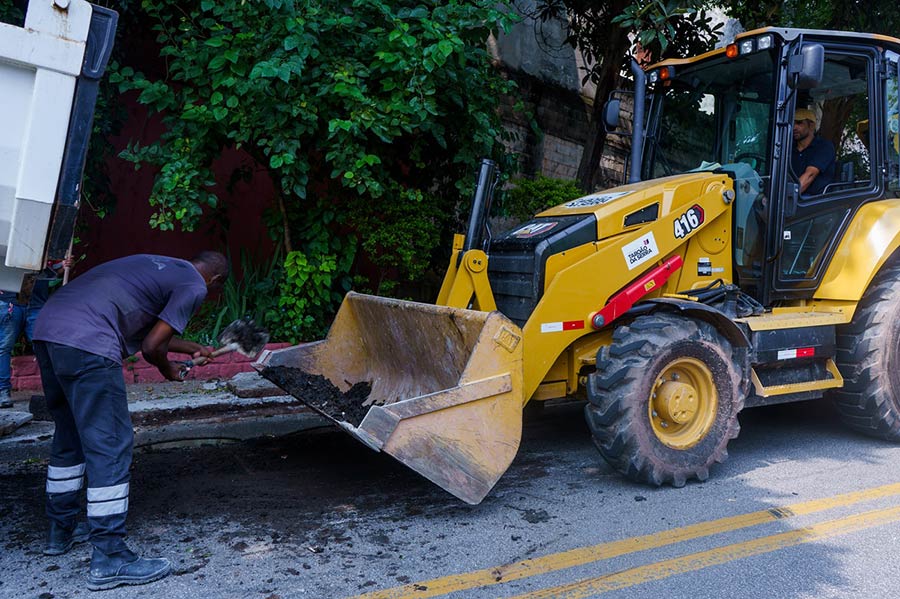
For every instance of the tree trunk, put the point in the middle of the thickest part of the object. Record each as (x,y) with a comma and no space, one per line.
(608,80)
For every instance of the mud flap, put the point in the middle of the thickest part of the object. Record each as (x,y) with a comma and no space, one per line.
(446,386)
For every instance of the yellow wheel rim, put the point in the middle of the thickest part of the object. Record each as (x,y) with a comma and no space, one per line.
(683,403)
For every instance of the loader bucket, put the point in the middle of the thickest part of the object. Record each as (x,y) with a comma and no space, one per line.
(446,386)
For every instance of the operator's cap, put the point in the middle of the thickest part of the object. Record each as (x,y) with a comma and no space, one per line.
(805,114)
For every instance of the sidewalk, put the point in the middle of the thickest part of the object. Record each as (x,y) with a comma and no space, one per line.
(244,407)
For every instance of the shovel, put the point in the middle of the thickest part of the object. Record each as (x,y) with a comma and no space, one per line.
(243,336)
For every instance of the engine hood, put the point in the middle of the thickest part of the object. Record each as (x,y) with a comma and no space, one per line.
(625,208)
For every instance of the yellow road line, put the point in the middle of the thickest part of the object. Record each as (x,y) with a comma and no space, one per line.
(584,555)
(713,557)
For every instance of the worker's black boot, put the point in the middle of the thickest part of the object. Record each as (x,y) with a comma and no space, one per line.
(124,567)
(60,539)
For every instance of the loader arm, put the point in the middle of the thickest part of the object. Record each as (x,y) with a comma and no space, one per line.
(466,281)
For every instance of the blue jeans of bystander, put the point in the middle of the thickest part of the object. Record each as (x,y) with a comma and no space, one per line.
(15,319)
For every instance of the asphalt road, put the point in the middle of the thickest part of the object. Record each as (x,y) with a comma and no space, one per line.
(802,509)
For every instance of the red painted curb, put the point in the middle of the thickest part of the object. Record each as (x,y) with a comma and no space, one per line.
(26,374)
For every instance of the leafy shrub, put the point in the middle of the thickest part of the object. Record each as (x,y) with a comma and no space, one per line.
(367,116)
(9,13)
(306,297)
(253,295)
(530,196)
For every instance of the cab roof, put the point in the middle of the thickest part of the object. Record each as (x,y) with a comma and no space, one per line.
(790,34)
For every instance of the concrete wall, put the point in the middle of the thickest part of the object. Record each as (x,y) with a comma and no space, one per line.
(549,74)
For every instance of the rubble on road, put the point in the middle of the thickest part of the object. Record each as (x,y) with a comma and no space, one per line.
(10,420)
(251,384)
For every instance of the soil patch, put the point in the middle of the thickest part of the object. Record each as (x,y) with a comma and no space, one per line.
(322,395)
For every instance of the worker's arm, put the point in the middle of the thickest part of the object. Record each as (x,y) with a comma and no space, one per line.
(160,341)
(808,176)
(181,346)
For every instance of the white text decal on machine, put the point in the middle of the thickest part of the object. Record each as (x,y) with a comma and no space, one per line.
(640,250)
(689,221)
(596,199)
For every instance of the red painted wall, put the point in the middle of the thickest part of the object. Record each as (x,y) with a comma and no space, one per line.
(127,230)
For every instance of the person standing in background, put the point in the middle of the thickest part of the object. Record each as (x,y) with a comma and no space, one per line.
(18,313)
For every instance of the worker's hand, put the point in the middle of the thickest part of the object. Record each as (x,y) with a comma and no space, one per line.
(61,265)
(173,371)
(202,352)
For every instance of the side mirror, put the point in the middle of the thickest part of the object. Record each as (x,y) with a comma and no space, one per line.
(805,69)
(611,111)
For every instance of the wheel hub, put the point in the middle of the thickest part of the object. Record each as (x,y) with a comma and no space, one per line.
(683,403)
(676,402)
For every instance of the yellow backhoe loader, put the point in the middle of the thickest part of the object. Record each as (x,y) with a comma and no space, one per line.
(705,284)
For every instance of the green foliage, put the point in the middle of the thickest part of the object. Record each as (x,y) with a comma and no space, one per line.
(407,243)
(652,21)
(665,29)
(366,114)
(876,16)
(10,14)
(662,29)
(254,295)
(530,196)
(307,299)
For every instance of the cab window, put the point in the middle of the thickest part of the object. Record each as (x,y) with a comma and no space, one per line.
(841,107)
(892,108)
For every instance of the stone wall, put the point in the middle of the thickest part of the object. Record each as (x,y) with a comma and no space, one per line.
(548,74)
(552,144)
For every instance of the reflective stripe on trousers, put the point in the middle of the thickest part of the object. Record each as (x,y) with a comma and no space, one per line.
(106,501)
(65,479)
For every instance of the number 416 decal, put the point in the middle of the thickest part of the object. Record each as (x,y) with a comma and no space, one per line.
(688,221)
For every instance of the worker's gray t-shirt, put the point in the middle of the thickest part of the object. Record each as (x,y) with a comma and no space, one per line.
(111,308)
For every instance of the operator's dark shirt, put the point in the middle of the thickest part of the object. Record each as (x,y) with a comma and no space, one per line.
(109,310)
(820,154)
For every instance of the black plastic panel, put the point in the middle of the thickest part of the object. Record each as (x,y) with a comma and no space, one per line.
(644,215)
(767,344)
(101,37)
(517,260)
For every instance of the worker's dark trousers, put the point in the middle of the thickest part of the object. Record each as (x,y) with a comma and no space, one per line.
(86,396)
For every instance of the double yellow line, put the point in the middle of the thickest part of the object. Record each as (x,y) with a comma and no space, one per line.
(585,555)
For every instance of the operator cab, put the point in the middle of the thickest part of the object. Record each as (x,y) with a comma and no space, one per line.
(734,110)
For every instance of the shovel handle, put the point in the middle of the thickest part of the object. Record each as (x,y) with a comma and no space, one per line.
(201,360)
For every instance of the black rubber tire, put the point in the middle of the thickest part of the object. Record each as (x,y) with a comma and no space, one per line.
(868,357)
(619,395)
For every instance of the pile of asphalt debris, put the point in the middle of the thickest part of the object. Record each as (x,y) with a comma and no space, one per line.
(322,395)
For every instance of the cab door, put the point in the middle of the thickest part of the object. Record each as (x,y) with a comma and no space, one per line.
(804,229)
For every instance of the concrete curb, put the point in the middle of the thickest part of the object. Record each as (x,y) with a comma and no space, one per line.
(27,376)
(187,418)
